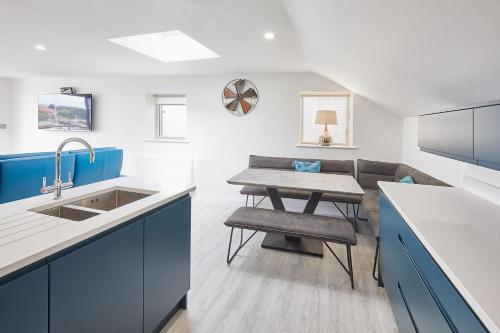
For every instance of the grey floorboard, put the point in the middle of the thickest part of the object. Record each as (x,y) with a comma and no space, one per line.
(271,291)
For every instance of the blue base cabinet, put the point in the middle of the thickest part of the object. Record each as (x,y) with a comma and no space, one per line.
(422,298)
(23,303)
(129,279)
(98,288)
(167,248)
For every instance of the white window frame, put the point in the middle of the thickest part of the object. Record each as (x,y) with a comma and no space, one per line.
(158,123)
(350,128)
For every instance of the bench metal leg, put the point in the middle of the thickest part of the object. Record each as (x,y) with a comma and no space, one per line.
(260,201)
(375,261)
(246,202)
(348,269)
(242,244)
(341,211)
(346,214)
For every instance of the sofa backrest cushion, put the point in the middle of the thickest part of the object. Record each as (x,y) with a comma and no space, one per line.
(370,172)
(22,177)
(285,163)
(21,155)
(108,165)
(418,176)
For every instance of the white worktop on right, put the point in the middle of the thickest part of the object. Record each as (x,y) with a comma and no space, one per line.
(462,233)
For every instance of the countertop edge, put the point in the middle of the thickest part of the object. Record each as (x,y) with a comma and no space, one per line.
(20,264)
(469,299)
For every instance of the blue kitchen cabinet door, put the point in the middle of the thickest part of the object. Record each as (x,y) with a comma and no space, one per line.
(390,255)
(99,287)
(24,306)
(167,261)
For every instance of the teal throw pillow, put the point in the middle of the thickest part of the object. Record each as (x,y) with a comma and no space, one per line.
(306,166)
(407,180)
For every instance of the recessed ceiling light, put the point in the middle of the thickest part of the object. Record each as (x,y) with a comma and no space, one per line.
(40,47)
(269,35)
(167,46)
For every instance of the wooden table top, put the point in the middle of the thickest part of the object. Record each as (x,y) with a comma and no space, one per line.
(292,180)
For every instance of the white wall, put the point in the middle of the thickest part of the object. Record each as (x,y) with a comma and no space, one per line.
(5,109)
(483,181)
(218,141)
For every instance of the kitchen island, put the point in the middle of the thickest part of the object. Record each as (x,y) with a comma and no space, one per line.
(112,256)
(439,258)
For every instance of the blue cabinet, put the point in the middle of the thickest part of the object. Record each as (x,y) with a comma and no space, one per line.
(129,279)
(448,134)
(99,287)
(24,302)
(167,249)
(487,136)
(422,298)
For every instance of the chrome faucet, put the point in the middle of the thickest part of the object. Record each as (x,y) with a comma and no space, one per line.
(59,185)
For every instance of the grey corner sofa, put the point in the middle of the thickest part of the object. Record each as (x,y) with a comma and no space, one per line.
(370,172)
(285,163)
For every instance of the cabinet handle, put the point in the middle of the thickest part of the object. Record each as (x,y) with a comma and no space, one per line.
(427,285)
(407,308)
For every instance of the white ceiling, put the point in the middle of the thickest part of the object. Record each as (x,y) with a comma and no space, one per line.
(411,56)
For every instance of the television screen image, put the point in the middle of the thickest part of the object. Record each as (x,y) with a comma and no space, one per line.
(65,112)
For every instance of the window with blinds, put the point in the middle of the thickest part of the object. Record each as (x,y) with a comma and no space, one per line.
(340,102)
(172,117)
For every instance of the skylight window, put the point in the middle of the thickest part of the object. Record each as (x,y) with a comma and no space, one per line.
(169,46)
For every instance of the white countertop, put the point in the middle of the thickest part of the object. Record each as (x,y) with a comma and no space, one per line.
(26,237)
(462,233)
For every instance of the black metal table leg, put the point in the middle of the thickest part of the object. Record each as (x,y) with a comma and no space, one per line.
(288,243)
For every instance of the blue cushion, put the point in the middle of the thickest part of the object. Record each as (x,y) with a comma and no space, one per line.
(11,156)
(22,177)
(306,166)
(108,165)
(21,174)
(407,180)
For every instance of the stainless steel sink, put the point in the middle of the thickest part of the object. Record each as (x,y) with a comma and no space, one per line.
(69,213)
(110,200)
(94,204)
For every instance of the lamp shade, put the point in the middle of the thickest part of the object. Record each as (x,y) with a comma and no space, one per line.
(328,117)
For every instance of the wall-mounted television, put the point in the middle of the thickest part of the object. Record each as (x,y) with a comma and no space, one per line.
(65,112)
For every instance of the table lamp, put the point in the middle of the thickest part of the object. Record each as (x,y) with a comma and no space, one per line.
(326,117)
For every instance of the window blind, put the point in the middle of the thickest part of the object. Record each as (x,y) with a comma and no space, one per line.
(311,103)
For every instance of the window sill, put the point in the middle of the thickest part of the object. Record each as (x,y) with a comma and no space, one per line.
(167,140)
(311,145)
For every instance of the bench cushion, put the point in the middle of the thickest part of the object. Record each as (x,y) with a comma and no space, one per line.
(303,195)
(325,228)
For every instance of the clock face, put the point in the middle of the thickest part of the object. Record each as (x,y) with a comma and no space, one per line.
(239,97)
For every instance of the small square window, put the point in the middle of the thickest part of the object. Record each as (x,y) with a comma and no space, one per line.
(341,103)
(171,117)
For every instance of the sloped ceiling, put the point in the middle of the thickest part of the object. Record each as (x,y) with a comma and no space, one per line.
(412,57)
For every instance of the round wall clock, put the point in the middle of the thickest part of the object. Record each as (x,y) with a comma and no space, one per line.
(240,97)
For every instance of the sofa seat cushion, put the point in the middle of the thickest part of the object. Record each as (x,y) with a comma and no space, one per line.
(374,220)
(325,228)
(370,201)
(302,195)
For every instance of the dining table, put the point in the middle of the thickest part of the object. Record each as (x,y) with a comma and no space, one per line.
(316,184)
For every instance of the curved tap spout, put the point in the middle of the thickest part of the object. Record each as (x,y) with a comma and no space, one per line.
(58,183)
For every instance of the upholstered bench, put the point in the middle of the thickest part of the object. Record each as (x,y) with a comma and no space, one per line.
(323,228)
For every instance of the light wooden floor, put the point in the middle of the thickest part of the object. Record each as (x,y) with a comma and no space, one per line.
(272,291)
